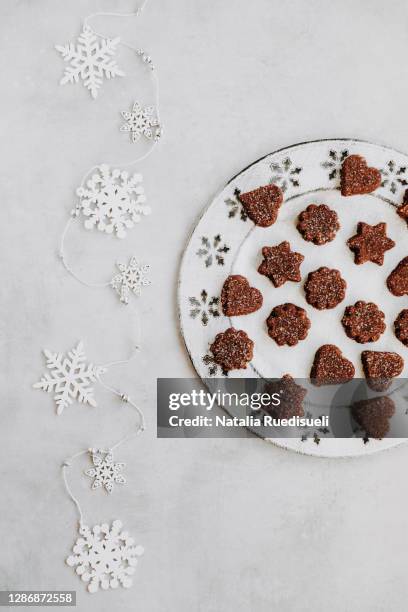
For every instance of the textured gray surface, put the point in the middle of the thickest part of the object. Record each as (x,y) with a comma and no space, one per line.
(227,525)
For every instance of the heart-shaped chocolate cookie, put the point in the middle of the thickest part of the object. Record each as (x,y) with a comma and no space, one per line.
(402,210)
(238,297)
(373,415)
(397,282)
(380,368)
(262,204)
(357,177)
(330,367)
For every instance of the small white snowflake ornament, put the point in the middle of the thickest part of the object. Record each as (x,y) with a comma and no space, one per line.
(105,556)
(70,377)
(131,278)
(105,472)
(112,200)
(90,60)
(141,122)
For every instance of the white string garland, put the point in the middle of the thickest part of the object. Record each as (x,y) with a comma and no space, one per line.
(67,463)
(104,555)
(75,213)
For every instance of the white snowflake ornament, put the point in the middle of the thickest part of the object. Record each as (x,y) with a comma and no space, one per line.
(131,278)
(105,556)
(105,471)
(90,60)
(112,200)
(70,377)
(141,122)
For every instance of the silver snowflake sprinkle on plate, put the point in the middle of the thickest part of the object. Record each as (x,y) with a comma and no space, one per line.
(112,200)
(394,176)
(90,60)
(105,471)
(204,307)
(70,377)
(212,251)
(105,556)
(141,122)
(285,174)
(131,278)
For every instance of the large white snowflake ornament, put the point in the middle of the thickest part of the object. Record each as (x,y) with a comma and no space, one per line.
(70,377)
(131,278)
(90,59)
(105,471)
(105,556)
(141,122)
(112,200)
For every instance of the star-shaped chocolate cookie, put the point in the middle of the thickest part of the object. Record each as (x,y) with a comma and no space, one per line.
(370,243)
(280,264)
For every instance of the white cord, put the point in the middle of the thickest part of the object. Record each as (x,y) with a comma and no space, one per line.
(67,463)
(125,398)
(135,351)
(105,14)
(62,251)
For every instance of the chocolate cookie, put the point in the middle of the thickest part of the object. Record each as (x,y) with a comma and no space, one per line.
(325,288)
(401,327)
(373,415)
(357,177)
(288,324)
(330,367)
(397,282)
(318,224)
(364,322)
(291,398)
(280,264)
(380,368)
(232,349)
(262,204)
(238,297)
(402,210)
(370,243)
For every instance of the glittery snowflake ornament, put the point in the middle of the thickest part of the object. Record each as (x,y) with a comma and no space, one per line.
(70,377)
(105,556)
(89,60)
(141,122)
(105,471)
(131,278)
(112,201)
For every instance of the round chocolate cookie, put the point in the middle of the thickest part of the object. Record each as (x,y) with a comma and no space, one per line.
(288,324)
(238,297)
(232,349)
(325,288)
(318,224)
(401,327)
(363,322)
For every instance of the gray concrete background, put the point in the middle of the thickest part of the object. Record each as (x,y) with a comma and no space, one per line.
(227,525)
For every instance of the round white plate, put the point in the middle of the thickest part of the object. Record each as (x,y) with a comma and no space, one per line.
(225,242)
